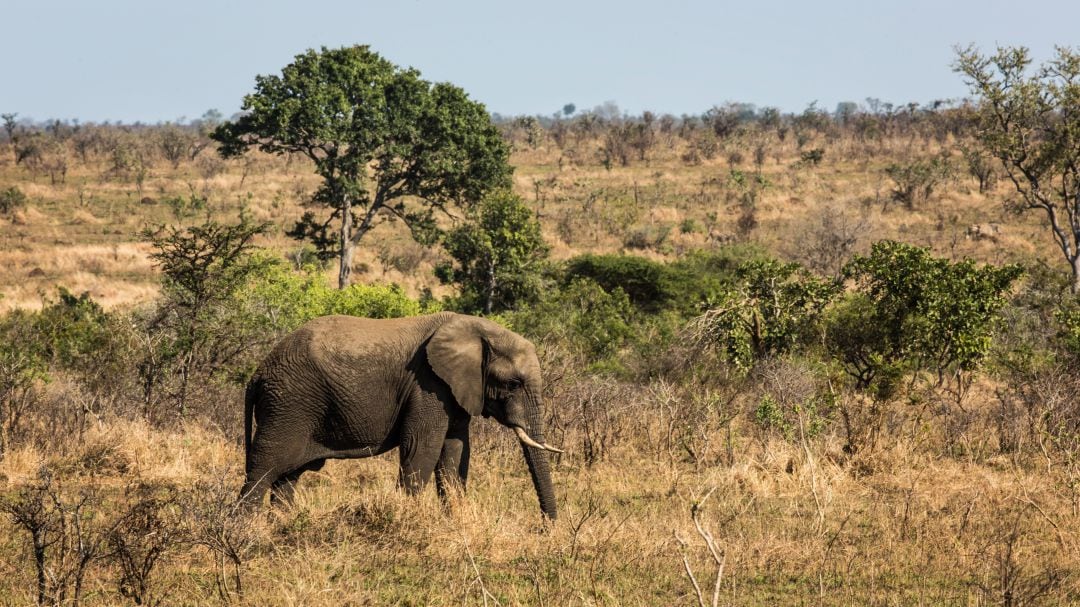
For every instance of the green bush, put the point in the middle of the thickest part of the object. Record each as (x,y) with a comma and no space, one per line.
(650,285)
(684,286)
(584,317)
(689,226)
(11,199)
(71,328)
(769,415)
(771,308)
(280,299)
(912,311)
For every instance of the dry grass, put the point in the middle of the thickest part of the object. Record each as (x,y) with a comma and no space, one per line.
(83,234)
(796,524)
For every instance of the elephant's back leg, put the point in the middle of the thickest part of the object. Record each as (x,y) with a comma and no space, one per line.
(280,451)
(282,490)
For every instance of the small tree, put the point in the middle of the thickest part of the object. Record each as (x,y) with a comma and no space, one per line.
(9,128)
(12,199)
(203,268)
(379,135)
(1031,123)
(981,166)
(175,144)
(497,255)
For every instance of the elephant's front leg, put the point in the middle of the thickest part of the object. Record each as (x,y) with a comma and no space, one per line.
(453,467)
(421,444)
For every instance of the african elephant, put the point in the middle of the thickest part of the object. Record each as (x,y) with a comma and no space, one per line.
(347,387)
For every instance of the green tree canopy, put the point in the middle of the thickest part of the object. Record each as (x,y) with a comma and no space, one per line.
(388,144)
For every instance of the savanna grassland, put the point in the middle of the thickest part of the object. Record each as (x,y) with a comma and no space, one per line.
(687,478)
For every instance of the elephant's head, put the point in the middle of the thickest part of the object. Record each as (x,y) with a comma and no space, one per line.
(495,373)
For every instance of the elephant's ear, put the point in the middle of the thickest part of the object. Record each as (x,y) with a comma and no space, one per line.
(456,354)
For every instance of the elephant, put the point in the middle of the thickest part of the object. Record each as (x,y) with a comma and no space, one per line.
(349,387)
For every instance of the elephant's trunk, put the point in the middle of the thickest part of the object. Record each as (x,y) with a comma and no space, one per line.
(537,458)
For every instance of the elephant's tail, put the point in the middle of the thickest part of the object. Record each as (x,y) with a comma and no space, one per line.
(251,395)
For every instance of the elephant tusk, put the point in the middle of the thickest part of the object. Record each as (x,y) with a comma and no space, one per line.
(525,438)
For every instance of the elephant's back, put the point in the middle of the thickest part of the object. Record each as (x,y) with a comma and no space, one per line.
(338,337)
(328,355)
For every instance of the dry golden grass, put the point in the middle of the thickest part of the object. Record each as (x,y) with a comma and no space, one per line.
(796,524)
(582,206)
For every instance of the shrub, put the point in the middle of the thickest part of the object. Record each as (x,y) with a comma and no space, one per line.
(583,316)
(647,237)
(278,299)
(689,226)
(912,311)
(22,366)
(71,328)
(12,199)
(682,286)
(770,309)
(649,285)
(916,181)
(812,157)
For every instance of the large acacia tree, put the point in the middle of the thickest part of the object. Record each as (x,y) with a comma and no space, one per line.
(1030,121)
(388,144)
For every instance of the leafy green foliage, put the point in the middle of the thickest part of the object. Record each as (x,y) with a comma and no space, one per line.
(683,286)
(769,415)
(770,309)
(11,199)
(183,208)
(591,321)
(497,256)
(71,328)
(912,311)
(651,286)
(379,136)
(278,299)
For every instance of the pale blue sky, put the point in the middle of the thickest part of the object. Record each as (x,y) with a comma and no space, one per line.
(152,61)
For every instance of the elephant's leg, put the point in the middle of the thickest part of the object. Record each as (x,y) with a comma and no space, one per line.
(452,469)
(283,489)
(421,445)
(255,486)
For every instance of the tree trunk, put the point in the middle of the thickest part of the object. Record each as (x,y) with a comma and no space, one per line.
(346,256)
(1075,263)
(489,291)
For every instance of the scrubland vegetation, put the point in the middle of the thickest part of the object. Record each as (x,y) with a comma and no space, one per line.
(822,358)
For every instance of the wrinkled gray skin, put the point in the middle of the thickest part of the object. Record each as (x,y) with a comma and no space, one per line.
(347,387)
